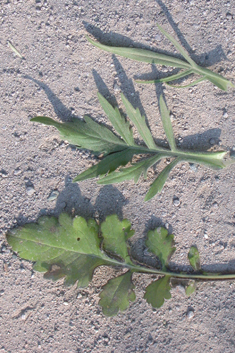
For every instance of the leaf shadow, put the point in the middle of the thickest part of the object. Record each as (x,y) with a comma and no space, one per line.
(139,249)
(103,88)
(62,112)
(205,59)
(71,200)
(201,141)
(109,201)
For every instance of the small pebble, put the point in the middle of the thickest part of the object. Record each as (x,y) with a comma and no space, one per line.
(66,303)
(30,190)
(176,201)
(190,314)
(116,87)
(158,37)
(53,195)
(3,173)
(193,167)
(225,115)
(17,171)
(205,235)
(181,290)
(212,141)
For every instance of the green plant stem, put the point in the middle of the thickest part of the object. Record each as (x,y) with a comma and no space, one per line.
(138,268)
(213,159)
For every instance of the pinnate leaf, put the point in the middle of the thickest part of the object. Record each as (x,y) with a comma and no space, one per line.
(160,243)
(116,294)
(194,258)
(115,234)
(158,291)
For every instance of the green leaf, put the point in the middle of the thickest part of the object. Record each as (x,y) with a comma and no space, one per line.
(220,82)
(160,243)
(151,57)
(157,291)
(139,122)
(168,78)
(119,123)
(194,258)
(159,182)
(13,48)
(133,172)
(115,234)
(116,294)
(213,160)
(166,121)
(190,84)
(143,55)
(116,153)
(86,134)
(190,288)
(107,164)
(177,46)
(63,247)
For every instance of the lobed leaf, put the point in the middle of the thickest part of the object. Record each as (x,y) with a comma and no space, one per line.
(194,258)
(159,182)
(107,164)
(63,247)
(119,123)
(116,294)
(166,121)
(160,243)
(158,291)
(139,122)
(133,172)
(86,134)
(115,234)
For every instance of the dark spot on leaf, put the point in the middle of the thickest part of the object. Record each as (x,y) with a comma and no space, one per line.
(78,239)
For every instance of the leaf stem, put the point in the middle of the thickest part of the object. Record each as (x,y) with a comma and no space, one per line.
(137,268)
